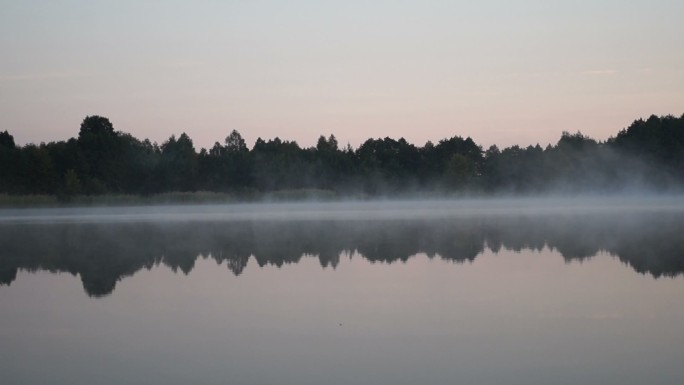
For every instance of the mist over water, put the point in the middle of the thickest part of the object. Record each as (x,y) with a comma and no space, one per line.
(391,209)
(520,291)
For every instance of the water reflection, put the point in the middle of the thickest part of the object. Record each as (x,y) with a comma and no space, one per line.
(102,254)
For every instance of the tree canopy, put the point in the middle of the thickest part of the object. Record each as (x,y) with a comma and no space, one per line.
(647,154)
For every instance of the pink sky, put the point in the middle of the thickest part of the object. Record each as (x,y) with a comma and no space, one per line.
(500,73)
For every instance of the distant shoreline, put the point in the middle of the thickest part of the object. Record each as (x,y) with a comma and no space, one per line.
(197,197)
(296,196)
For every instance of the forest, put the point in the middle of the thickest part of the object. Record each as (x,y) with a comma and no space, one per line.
(646,156)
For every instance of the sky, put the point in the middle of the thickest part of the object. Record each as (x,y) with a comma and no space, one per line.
(500,72)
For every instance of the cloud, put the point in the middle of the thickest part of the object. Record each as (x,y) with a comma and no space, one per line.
(182,64)
(600,72)
(40,76)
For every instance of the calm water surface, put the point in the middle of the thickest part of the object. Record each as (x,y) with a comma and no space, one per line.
(357,293)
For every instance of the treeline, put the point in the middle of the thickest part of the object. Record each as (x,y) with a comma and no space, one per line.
(647,154)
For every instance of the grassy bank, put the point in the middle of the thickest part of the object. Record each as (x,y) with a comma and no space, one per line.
(197,197)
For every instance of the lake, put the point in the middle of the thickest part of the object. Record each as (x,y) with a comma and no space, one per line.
(519,291)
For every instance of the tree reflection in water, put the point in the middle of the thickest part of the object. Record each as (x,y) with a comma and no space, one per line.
(102,254)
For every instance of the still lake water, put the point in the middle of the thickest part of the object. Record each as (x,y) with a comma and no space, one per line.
(470,292)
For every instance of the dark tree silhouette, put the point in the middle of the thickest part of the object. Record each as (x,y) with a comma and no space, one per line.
(649,154)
